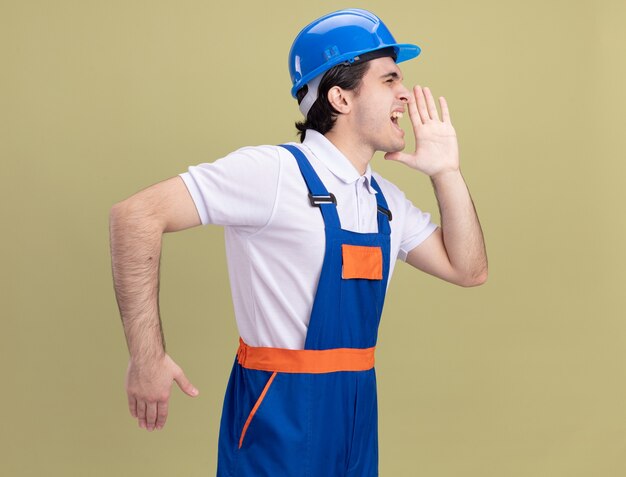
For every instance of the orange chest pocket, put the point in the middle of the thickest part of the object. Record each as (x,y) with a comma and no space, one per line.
(362,262)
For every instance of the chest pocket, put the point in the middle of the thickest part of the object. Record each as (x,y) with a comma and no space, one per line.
(360,261)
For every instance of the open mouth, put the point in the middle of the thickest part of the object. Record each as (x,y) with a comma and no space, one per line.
(395,117)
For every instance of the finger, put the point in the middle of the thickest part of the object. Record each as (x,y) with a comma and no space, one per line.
(162,408)
(185,385)
(397,156)
(416,121)
(151,415)
(413,113)
(430,103)
(141,414)
(421,104)
(132,406)
(445,113)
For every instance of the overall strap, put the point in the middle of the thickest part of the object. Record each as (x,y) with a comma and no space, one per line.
(318,195)
(384,214)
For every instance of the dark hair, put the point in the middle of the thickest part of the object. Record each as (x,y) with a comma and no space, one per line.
(322,115)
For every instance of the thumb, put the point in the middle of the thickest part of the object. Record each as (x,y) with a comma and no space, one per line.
(398,156)
(185,385)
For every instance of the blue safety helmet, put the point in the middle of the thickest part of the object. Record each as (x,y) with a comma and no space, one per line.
(340,37)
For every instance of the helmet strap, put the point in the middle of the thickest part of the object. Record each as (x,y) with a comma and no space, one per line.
(311,95)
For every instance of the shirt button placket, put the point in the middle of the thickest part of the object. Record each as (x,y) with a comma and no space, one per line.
(362,205)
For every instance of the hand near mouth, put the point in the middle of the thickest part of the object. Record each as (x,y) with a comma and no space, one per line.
(436,145)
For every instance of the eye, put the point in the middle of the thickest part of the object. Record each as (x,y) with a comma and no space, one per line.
(390,80)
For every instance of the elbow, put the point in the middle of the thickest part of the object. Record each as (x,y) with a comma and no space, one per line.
(133,213)
(118,214)
(116,209)
(123,207)
(475,280)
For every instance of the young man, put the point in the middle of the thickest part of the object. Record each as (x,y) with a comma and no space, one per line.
(312,236)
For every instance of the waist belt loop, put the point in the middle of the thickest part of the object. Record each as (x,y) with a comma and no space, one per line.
(241,352)
(284,360)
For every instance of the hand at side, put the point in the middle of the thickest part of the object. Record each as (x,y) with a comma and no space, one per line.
(148,386)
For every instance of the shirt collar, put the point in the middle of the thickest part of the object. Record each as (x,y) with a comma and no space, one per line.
(334,160)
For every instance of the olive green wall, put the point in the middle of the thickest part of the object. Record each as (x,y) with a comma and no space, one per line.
(524,376)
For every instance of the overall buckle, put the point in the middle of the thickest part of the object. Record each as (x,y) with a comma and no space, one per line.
(317,200)
(387,212)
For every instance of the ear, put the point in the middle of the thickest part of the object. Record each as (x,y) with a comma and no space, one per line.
(340,99)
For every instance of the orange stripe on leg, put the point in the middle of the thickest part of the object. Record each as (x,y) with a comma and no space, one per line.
(254,409)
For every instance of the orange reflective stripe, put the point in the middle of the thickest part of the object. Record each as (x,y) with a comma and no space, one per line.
(256,406)
(362,262)
(305,361)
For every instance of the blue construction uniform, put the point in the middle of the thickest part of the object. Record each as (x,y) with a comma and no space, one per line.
(312,424)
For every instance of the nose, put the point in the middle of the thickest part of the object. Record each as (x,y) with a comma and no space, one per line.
(403,93)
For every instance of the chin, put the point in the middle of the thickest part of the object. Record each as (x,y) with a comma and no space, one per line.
(391,149)
(393,144)
(397,147)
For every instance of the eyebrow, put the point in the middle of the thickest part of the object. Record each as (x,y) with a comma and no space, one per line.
(393,75)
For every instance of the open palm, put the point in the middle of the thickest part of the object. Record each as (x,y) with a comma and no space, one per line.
(436,145)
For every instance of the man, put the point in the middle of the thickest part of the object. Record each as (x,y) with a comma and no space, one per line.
(312,236)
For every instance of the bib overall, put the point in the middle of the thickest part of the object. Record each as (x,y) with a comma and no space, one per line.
(313,412)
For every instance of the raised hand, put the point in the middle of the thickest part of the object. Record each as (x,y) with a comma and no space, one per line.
(436,145)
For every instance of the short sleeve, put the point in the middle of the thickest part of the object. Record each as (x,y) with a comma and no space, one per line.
(237,190)
(417,228)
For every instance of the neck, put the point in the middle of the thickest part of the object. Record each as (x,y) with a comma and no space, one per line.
(358,153)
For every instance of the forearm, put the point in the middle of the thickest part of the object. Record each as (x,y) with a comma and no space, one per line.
(462,234)
(135,256)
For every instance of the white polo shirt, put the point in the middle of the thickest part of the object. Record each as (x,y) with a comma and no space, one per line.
(275,239)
